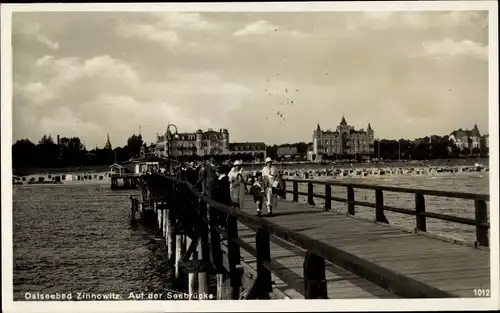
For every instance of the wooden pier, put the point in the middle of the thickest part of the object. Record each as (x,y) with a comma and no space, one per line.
(308,252)
(125,181)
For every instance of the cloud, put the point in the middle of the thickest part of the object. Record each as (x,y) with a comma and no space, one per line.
(263,27)
(180,20)
(32,30)
(61,73)
(449,48)
(151,32)
(234,71)
(382,20)
(64,121)
(164,28)
(36,93)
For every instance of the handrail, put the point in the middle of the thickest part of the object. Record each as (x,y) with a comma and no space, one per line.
(481,209)
(429,192)
(317,253)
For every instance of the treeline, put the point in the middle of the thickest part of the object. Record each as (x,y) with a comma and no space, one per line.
(427,148)
(70,152)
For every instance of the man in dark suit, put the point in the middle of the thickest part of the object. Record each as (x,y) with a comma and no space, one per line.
(208,178)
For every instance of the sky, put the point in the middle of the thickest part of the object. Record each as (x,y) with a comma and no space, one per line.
(268,77)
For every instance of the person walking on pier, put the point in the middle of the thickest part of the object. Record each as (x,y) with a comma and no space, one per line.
(208,178)
(270,175)
(236,179)
(257,191)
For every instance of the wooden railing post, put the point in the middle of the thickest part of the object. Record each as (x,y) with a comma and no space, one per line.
(481,213)
(350,201)
(419,210)
(310,192)
(264,284)
(328,197)
(379,210)
(233,257)
(295,191)
(314,277)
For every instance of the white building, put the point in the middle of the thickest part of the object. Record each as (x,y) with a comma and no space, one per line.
(345,140)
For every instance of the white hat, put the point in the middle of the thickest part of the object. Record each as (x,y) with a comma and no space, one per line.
(237,162)
(268,160)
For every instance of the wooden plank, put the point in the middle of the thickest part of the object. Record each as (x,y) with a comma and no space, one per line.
(392,248)
(341,284)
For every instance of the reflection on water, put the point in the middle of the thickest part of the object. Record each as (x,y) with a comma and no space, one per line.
(72,238)
(461,182)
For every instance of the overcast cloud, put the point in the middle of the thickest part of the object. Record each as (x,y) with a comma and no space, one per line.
(408,74)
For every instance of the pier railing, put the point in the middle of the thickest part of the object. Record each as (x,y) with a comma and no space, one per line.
(197,216)
(481,210)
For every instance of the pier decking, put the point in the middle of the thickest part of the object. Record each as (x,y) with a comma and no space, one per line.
(308,252)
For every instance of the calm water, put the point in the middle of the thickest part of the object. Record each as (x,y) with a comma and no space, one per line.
(77,238)
(461,182)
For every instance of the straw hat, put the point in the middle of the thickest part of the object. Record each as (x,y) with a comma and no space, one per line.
(268,160)
(237,162)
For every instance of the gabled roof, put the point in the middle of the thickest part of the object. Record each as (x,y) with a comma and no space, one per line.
(115,165)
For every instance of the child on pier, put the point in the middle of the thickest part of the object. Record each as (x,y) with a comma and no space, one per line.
(257,191)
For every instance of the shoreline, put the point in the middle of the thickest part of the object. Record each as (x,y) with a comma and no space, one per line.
(325,172)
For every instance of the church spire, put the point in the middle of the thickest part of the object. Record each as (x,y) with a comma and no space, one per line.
(318,129)
(108,144)
(343,122)
(369,126)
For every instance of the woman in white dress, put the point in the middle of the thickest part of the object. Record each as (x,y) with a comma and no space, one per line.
(236,184)
(270,175)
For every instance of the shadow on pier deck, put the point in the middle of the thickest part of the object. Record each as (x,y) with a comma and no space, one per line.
(308,252)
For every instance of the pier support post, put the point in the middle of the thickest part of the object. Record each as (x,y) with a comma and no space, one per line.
(215,248)
(295,191)
(192,281)
(170,237)
(234,257)
(133,209)
(203,247)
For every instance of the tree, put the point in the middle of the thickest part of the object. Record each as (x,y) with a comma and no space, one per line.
(134,144)
(23,152)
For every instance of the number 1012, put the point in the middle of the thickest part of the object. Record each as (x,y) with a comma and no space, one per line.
(481,292)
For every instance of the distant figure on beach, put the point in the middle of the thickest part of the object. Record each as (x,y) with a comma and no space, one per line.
(236,178)
(208,178)
(257,191)
(270,175)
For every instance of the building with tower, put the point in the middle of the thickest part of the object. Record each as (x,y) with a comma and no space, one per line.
(200,143)
(467,139)
(344,141)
